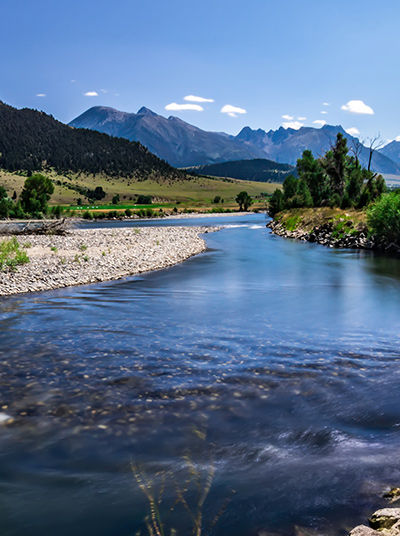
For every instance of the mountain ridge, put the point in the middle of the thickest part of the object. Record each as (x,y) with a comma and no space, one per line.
(185,145)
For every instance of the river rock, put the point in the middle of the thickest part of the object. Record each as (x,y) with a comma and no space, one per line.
(393,495)
(363,530)
(385,518)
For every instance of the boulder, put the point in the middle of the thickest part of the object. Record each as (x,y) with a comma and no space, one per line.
(385,518)
(363,530)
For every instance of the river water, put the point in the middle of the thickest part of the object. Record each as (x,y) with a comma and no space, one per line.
(265,369)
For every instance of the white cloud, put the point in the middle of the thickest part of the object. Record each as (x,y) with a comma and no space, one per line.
(353,131)
(91,94)
(302,118)
(292,124)
(326,104)
(73,81)
(104,91)
(357,107)
(40,94)
(288,117)
(397,138)
(324,112)
(195,98)
(232,111)
(320,122)
(174,106)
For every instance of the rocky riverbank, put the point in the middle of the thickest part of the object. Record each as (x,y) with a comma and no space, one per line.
(384,522)
(326,235)
(93,255)
(340,231)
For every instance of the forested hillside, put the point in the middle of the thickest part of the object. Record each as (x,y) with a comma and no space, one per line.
(33,141)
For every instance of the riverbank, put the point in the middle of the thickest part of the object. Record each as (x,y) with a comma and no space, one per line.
(93,255)
(330,227)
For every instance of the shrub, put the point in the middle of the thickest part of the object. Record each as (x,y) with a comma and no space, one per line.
(11,255)
(383,218)
(144,200)
(128,213)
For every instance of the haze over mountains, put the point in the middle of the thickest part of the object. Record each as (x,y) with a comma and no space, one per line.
(184,145)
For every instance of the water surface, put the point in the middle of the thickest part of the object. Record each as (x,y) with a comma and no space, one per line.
(272,361)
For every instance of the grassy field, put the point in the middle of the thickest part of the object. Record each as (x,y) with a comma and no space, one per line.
(195,193)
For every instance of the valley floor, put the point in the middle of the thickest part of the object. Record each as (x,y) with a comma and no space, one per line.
(92,255)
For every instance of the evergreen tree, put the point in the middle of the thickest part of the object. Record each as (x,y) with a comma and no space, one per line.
(276,203)
(335,165)
(36,194)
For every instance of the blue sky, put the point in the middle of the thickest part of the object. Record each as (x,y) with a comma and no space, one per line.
(267,58)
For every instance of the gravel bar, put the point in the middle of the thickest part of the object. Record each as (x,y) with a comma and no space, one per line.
(93,255)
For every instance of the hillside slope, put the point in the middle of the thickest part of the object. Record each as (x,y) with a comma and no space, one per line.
(32,140)
(260,170)
(392,151)
(172,139)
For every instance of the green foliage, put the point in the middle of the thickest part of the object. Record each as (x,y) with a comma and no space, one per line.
(6,204)
(276,203)
(336,180)
(11,255)
(115,199)
(334,163)
(292,222)
(383,218)
(243,200)
(311,171)
(128,213)
(303,196)
(144,200)
(96,195)
(217,199)
(36,194)
(289,188)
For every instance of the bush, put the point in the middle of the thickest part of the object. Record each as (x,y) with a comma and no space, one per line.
(11,255)
(128,213)
(217,199)
(87,215)
(144,200)
(383,218)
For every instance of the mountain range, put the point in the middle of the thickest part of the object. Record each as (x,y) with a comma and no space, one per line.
(184,145)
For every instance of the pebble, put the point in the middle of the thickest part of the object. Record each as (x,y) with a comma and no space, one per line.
(91,255)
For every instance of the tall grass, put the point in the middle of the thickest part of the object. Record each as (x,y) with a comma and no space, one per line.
(11,255)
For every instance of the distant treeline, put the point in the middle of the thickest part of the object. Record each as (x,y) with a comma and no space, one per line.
(33,141)
(258,170)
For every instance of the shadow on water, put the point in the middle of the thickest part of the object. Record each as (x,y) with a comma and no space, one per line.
(277,360)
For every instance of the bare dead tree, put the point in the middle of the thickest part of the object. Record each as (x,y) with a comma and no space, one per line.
(356,148)
(374,144)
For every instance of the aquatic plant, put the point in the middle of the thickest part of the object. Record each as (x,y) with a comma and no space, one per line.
(190,491)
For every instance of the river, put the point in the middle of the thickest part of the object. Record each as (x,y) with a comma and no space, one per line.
(266,367)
